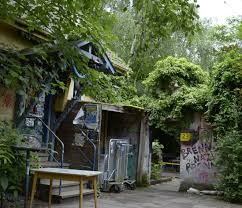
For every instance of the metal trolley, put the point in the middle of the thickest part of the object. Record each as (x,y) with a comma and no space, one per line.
(115,176)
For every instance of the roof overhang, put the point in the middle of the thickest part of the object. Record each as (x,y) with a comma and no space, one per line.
(129,109)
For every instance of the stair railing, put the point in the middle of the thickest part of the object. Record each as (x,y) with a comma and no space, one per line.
(59,140)
(94,149)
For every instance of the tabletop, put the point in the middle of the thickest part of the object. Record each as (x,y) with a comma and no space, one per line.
(63,171)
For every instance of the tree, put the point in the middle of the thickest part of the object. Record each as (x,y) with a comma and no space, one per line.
(149,22)
(225,113)
(202,48)
(173,89)
(85,20)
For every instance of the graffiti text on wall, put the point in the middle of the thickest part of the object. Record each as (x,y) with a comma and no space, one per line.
(200,154)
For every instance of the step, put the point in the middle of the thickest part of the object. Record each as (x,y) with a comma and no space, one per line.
(69,189)
(42,156)
(56,183)
(66,186)
(75,193)
(49,164)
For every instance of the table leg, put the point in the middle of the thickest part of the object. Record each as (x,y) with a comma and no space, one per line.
(81,192)
(33,190)
(50,193)
(95,190)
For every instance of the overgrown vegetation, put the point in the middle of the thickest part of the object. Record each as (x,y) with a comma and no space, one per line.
(151,36)
(156,165)
(174,88)
(225,113)
(12,165)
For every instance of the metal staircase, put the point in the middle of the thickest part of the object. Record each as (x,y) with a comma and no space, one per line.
(61,190)
(52,159)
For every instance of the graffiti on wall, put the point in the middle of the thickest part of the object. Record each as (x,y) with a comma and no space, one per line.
(197,161)
(7,100)
(197,155)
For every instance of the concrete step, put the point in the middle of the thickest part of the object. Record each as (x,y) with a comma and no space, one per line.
(65,187)
(69,189)
(48,164)
(56,183)
(75,193)
(42,156)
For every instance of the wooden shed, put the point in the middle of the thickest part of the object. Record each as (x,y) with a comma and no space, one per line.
(114,122)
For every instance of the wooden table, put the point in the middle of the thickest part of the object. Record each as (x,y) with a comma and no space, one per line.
(27,149)
(65,174)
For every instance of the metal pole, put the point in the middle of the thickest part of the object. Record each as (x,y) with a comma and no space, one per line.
(27,178)
(62,159)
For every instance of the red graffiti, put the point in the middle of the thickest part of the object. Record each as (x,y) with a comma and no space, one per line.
(7,100)
(203,177)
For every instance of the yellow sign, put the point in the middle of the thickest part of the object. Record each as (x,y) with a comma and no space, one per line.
(185,137)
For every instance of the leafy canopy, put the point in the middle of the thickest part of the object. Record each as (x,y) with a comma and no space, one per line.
(225,113)
(174,88)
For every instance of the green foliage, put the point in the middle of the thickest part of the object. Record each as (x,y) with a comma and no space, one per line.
(156,170)
(225,113)
(174,88)
(229,152)
(157,151)
(156,165)
(28,75)
(224,107)
(11,163)
(61,19)
(142,28)
(109,88)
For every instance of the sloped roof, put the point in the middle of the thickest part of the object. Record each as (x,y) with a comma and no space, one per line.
(117,62)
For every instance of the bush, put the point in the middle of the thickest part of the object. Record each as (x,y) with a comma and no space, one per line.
(229,153)
(225,113)
(174,88)
(12,167)
(156,160)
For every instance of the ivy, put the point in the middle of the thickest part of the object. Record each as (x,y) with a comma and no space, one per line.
(173,89)
(225,113)
(109,88)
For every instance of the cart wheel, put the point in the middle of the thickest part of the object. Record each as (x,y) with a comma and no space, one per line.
(115,189)
(132,186)
(126,186)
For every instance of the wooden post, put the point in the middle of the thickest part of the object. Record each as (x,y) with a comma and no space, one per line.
(81,192)
(95,190)
(50,193)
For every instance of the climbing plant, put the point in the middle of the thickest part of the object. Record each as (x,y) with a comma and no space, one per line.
(174,89)
(225,113)
(11,163)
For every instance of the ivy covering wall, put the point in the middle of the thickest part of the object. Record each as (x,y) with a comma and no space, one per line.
(225,113)
(174,90)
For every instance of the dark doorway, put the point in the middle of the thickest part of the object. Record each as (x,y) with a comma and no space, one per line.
(171,151)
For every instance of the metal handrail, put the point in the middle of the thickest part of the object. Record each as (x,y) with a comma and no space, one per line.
(58,139)
(94,148)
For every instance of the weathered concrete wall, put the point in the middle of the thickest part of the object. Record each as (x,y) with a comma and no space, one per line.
(144,159)
(197,157)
